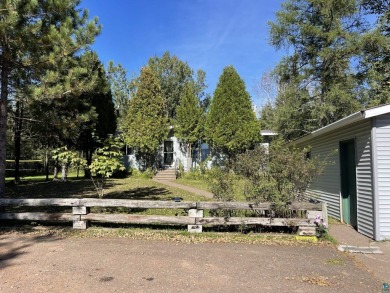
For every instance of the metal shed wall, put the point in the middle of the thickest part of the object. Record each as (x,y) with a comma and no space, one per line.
(327,187)
(382,161)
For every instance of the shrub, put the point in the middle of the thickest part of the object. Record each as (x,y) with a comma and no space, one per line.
(279,174)
(221,182)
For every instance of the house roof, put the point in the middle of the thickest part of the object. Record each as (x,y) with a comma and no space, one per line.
(353,118)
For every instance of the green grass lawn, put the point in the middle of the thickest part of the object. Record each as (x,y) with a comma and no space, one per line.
(197,183)
(204,185)
(127,188)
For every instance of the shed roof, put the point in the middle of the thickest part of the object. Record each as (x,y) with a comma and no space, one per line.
(353,118)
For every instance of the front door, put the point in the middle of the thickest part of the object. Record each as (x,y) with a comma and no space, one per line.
(348,182)
(168,153)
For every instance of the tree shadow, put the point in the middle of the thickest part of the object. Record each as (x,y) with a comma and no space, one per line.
(12,247)
(53,189)
(140,193)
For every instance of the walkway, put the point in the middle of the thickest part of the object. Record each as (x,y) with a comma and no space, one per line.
(378,264)
(186,188)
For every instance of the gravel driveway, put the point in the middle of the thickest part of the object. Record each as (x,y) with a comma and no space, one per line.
(51,264)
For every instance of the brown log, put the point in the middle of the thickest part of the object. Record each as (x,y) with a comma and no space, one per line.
(39,216)
(212,221)
(139,219)
(39,202)
(143,204)
(231,205)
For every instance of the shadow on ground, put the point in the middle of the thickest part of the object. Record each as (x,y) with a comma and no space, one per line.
(150,193)
(9,251)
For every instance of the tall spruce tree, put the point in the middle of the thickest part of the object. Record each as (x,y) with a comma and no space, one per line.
(146,124)
(33,35)
(375,55)
(231,124)
(189,120)
(324,37)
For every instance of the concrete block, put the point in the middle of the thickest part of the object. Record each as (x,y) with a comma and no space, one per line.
(194,213)
(80,210)
(80,225)
(195,228)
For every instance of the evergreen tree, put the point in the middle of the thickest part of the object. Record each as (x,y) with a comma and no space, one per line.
(231,125)
(103,123)
(375,55)
(324,37)
(34,35)
(146,124)
(189,120)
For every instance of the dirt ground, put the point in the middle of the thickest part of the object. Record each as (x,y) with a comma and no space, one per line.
(51,264)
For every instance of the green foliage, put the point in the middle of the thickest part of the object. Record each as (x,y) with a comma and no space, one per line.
(279,174)
(231,125)
(146,174)
(146,124)
(120,87)
(221,183)
(189,116)
(41,44)
(106,161)
(172,75)
(317,86)
(189,120)
(375,59)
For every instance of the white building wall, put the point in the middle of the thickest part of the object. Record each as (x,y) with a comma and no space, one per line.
(327,187)
(382,157)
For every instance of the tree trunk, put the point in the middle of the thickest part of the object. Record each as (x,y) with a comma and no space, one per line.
(47,163)
(56,167)
(189,157)
(88,157)
(63,172)
(3,113)
(17,139)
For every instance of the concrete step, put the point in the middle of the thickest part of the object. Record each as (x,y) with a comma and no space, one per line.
(169,174)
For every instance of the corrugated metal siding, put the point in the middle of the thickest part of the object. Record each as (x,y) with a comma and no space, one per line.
(383,173)
(327,187)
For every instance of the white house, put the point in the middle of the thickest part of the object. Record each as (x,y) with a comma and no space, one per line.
(172,154)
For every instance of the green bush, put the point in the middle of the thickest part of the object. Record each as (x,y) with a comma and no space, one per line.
(279,174)
(147,174)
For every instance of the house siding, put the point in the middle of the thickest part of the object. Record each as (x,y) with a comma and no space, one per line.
(382,136)
(327,187)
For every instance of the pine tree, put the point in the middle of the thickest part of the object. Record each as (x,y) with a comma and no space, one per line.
(375,61)
(324,37)
(34,35)
(231,125)
(146,124)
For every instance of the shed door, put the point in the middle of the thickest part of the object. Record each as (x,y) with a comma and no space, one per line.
(348,182)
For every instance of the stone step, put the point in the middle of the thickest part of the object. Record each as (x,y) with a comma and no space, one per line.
(169,174)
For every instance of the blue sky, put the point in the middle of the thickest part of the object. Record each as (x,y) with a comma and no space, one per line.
(208,34)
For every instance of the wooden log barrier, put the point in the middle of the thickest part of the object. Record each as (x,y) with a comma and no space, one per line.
(195,220)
